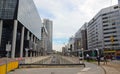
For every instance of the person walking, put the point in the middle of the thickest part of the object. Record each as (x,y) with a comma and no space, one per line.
(98,59)
(105,59)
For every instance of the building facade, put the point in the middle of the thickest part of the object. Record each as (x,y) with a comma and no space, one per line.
(20,26)
(71,44)
(49,27)
(103,31)
(81,38)
(44,39)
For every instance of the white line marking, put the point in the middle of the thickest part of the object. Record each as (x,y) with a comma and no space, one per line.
(85,69)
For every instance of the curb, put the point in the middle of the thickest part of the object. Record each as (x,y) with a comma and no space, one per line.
(102,68)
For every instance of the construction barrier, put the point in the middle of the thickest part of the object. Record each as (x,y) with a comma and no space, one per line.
(10,66)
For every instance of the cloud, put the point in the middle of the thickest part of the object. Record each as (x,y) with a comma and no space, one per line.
(69,15)
(58,47)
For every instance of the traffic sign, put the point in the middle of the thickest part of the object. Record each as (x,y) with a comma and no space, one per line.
(8,47)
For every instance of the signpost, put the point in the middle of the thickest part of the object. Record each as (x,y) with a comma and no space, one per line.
(26,49)
(31,54)
(8,49)
(81,56)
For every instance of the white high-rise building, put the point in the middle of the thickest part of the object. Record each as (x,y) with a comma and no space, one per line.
(49,27)
(103,31)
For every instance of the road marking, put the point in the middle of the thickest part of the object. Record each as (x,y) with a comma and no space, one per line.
(85,69)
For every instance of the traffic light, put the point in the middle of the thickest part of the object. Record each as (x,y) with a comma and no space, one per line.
(112,39)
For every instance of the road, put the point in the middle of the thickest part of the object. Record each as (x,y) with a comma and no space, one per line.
(54,59)
(47,71)
(89,69)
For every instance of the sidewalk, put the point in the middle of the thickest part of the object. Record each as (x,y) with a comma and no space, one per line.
(3,60)
(92,69)
(24,60)
(112,67)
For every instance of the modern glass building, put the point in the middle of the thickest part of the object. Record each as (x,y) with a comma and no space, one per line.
(20,26)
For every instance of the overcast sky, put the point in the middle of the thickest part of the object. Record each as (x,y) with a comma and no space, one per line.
(69,15)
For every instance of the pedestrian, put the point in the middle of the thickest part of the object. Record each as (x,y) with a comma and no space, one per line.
(105,59)
(111,57)
(88,57)
(98,59)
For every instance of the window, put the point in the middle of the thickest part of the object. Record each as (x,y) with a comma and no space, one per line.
(110,32)
(104,14)
(105,21)
(109,28)
(106,40)
(105,25)
(115,7)
(113,23)
(105,18)
(109,36)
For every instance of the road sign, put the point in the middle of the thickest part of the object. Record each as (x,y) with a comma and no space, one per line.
(8,47)
(26,49)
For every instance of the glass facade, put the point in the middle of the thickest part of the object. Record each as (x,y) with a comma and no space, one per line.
(8,9)
(24,11)
(29,17)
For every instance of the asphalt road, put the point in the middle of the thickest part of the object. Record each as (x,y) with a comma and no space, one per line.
(47,71)
(89,69)
(55,60)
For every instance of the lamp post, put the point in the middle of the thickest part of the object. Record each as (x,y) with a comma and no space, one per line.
(98,56)
(8,49)
(31,54)
(79,55)
(82,55)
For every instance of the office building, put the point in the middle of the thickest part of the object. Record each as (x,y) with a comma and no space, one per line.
(71,44)
(103,30)
(81,38)
(49,27)
(20,26)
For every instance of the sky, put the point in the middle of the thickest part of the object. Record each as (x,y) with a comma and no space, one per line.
(69,15)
